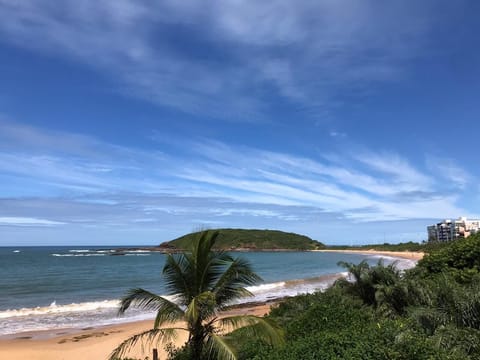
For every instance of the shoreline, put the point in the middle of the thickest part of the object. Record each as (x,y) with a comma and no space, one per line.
(39,335)
(409,255)
(96,342)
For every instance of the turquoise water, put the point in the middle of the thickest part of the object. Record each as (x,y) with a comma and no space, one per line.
(45,288)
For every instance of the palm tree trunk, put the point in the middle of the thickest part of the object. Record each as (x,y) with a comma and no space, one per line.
(197,348)
(196,341)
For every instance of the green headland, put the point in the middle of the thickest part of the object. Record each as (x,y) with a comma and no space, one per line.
(252,240)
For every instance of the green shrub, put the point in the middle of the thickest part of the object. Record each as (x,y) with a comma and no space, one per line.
(335,326)
(458,256)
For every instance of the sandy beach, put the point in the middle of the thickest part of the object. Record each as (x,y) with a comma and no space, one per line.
(91,343)
(411,255)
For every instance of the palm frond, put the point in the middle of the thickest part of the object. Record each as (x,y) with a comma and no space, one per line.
(176,274)
(146,300)
(150,337)
(357,270)
(212,269)
(231,284)
(168,313)
(218,347)
(254,326)
(201,307)
(205,260)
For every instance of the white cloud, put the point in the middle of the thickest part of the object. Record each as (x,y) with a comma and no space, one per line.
(337,134)
(401,171)
(449,170)
(252,46)
(25,221)
(110,185)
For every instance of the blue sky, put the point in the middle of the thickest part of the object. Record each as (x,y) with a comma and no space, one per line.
(134,122)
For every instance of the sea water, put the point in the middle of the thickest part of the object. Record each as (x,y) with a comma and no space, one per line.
(47,288)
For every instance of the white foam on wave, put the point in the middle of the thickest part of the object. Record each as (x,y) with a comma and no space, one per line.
(87,314)
(59,309)
(389,259)
(400,263)
(405,264)
(70,320)
(277,290)
(77,255)
(79,251)
(266,287)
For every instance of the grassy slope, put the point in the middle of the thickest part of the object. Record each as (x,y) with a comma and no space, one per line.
(255,240)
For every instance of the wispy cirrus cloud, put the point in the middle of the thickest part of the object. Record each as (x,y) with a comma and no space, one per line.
(211,179)
(229,59)
(25,221)
(88,187)
(448,169)
(398,168)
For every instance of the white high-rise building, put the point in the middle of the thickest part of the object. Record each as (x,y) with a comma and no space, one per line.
(448,230)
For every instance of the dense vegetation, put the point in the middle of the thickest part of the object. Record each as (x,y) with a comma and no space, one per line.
(429,312)
(231,239)
(408,246)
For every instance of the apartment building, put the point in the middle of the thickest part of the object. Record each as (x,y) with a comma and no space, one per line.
(448,230)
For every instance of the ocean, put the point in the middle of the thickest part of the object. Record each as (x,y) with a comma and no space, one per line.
(48,288)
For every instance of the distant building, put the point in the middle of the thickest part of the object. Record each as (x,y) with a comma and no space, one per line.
(448,230)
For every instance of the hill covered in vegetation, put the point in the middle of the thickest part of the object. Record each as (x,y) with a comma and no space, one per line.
(254,240)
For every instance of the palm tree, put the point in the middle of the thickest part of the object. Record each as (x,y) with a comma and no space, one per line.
(203,283)
(380,286)
(361,286)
